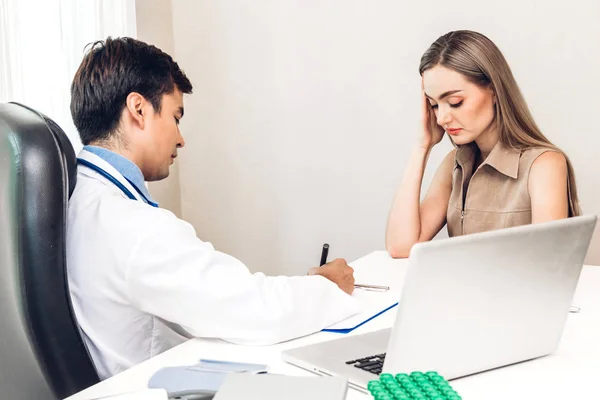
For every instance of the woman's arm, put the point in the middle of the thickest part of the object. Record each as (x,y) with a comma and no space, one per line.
(548,187)
(410,222)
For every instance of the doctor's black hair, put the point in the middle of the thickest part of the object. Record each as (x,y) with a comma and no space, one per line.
(112,69)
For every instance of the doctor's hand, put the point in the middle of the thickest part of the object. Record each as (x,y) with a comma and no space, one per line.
(337,271)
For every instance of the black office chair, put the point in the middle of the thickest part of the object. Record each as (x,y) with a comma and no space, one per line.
(42,354)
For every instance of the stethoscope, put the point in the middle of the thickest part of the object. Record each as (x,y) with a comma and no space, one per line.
(111,178)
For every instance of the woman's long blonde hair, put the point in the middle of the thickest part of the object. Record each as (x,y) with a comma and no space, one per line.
(478,59)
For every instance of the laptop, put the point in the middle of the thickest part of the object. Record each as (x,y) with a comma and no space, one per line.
(469,304)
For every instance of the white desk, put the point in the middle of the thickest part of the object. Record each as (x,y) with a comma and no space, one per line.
(570,373)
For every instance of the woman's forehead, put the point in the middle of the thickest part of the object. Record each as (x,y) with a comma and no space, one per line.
(439,80)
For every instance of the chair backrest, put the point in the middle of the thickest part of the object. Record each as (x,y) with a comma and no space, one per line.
(42,354)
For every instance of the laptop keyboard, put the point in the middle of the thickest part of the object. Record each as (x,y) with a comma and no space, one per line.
(372,364)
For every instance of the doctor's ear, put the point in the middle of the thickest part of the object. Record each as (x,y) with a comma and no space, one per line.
(134,105)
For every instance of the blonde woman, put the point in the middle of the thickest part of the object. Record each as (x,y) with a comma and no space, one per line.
(503,171)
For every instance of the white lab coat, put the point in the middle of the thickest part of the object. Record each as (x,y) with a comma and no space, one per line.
(137,273)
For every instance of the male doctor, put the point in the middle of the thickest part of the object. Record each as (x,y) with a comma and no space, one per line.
(141,281)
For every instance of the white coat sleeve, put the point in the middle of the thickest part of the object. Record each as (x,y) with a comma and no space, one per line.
(175,276)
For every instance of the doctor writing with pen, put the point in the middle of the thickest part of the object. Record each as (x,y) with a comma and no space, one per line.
(373,288)
(140,279)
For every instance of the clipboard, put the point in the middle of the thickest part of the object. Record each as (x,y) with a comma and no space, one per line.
(373,304)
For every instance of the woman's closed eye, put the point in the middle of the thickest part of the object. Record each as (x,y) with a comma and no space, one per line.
(453,105)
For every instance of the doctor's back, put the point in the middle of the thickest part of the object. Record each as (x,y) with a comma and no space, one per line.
(140,280)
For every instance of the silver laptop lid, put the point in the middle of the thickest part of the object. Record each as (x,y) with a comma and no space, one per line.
(477,302)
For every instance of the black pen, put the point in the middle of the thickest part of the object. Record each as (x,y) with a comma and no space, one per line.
(324,254)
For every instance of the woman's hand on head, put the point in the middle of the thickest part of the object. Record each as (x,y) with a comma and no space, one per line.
(431,132)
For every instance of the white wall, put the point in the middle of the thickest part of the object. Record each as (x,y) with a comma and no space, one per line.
(155,26)
(304,111)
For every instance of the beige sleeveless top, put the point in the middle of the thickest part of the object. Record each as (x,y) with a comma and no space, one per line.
(493,196)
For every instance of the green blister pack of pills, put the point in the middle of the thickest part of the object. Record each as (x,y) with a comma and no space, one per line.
(416,386)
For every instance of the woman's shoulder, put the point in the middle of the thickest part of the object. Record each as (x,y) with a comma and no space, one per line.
(544,161)
(451,155)
(535,155)
(449,161)
(550,158)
